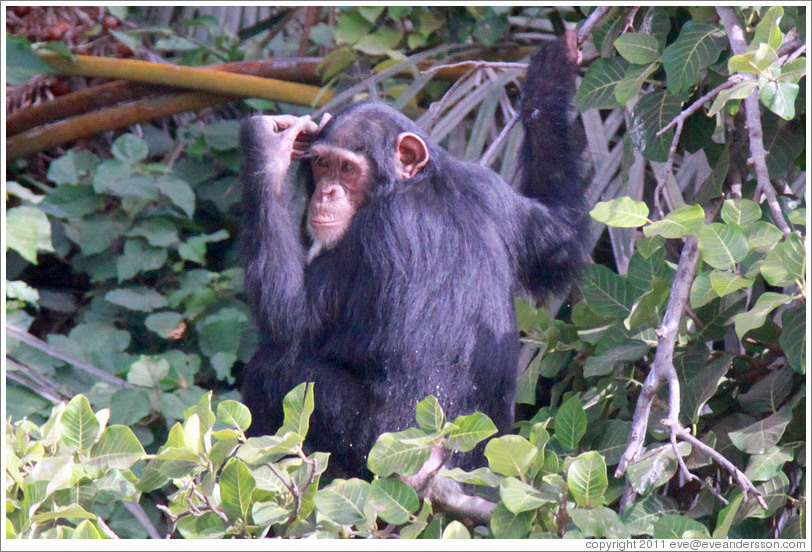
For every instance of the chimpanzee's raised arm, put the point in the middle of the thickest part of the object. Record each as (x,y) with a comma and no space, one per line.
(554,225)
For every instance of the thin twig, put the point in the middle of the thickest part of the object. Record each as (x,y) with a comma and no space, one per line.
(487,158)
(140,515)
(591,21)
(109,533)
(753,115)
(477,64)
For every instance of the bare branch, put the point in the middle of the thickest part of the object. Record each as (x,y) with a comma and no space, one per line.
(591,21)
(139,514)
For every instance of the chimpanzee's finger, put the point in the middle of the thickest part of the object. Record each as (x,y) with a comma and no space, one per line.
(324,120)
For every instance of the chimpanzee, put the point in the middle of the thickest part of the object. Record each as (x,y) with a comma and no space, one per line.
(408,288)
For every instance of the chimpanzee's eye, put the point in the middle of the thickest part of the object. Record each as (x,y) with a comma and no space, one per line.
(347,167)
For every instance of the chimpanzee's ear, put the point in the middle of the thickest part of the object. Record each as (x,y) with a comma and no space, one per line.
(412,153)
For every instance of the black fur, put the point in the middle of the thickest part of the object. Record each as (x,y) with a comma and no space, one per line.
(417,298)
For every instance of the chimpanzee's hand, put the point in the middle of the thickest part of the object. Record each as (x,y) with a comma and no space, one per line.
(272,142)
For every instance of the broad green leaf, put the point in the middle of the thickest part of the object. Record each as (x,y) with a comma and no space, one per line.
(268,513)
(429,414)
(234,414)
(469,431)
(170,463)
(22,62)
(633,81)
(785,262)
(73,511)
(769,393)
(343,501)
(728,282)
(117,448)
(755,317)
(655,467)
(650,114)
(607,293)
(779,97)
(164,323)
(604,364)
(711,188)
(774,493)
(679,527)
(647,246)
(570,424)
(404,453)
(87,530)
(738,91)
(142,299)
(755,61)
(456,530)
(480,476)
(726,516)
(587,479)
(179,192)
(722,245)
(761,436)
(597,89)
(510,455)
(54,471)
(793,71)
(380,42)
(638,48)
(138,258)
(350,27)
(79,425)
(685,220)
(28,231)
(743,212)
(520,497)
(612,439)
(394,500)
(236,486)
(205,526)
(767,465)
(640,517)
(697,47)
(600,522)
(222,331)
(298,406)
(148,371)
(798,216)
(699,387)
(158,231)
(268,448)
(763,235)
(507,525)
(767,30)
(622,212)
(129,148)
(793,337)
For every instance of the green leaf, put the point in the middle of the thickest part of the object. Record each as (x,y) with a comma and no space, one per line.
(142,299)
(699,386)
(767,465)
(755,317)
(774,493)
(170,463)
(622,212)
(158,231)
(755,61)
(685,220)
(793,71)
(793,337)
(612,439)
(679,527)
(724,283)
(28,231)
(205,526)
(785,262)
(697,47)
(129,148)
(726,516)
(72,511)
(378,43)
(429,414)
(768,394)
(480,476)
(234,414)
(117,448)
(767,30)
(80,427)
(22,62)
(87,530)
(394,500)
(722,245)
(779,97)
(265,514)
(350,27)
(268,448)
(639,48)
(604,364)
(650,114)
(138,257)
(763,235)
(633,81)
(178,192)
(343,501)
(641,516)
(597,89)
(298,406)
(164,323)
(761,436)
(654,468)
(404,452)
(743,212)
(587,479)
(469,431)
(520,497)
(510,455)
(607,293)
(236,486)
(600,522)
(148,371)
(507,525)
(570,424)
(222,331)
(456,530)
